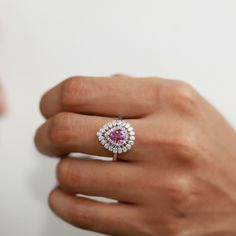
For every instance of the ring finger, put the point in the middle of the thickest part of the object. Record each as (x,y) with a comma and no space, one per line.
(69,132)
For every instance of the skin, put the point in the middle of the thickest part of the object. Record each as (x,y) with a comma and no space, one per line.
(2,101)
(178,180)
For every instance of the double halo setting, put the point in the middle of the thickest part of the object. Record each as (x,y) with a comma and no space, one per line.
(117,136)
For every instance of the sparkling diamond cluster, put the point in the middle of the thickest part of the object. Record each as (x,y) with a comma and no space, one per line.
(117,136)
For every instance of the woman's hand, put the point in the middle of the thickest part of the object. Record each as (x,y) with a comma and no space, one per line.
(178,180)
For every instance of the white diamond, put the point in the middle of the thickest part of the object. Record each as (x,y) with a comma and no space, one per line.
(119,122)
(115,150)
(131,142)
(132,138)
(120,150)
(106,146)
(103,130)
(132,133)
(99,134)
(105,127)
(114,122)
(125,149)
(130,129)
(128,146)
(103,142)
(123,123)
(111,148)
(109,124)
(100,138)
(127,125)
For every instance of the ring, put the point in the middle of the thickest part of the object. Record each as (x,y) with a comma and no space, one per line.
(117,136)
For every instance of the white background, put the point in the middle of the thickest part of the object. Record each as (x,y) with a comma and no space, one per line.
(45,41)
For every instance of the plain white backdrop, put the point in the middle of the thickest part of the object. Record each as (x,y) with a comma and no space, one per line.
(43,42)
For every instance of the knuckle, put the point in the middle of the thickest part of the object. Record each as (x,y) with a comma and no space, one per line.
(181,189)
(184,144)
(170,226)
(185,148)
(72,89)
(182,97)
(60,130)
(183,195)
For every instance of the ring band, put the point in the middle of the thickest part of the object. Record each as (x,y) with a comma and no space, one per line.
(117,136)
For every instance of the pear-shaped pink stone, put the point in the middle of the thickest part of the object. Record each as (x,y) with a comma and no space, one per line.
(118,135)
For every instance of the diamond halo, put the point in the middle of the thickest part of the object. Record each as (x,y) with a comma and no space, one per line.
(117,136)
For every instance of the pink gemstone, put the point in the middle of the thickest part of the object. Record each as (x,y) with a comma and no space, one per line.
(118,135)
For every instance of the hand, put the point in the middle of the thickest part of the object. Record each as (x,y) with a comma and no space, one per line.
(178,180)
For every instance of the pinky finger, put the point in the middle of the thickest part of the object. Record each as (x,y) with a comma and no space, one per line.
(106,218)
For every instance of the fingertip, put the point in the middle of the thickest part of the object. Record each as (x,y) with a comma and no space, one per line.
(43,105)
(37,139)
(53,197)
(50,102)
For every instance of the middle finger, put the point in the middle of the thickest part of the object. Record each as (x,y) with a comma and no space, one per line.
(105,96)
